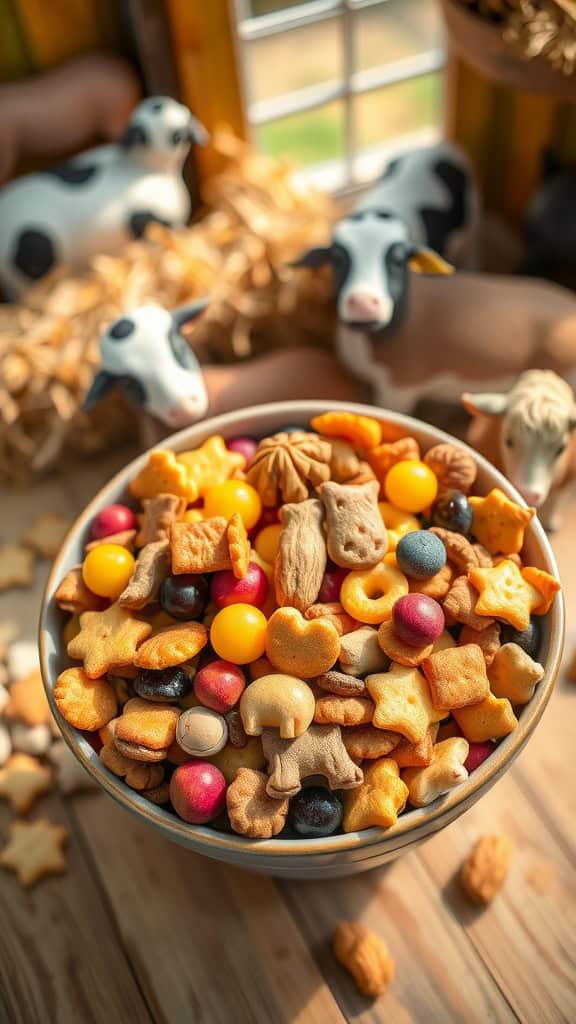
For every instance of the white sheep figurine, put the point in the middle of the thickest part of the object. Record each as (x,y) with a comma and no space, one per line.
(527,432)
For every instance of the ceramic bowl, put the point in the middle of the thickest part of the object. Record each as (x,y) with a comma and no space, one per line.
(300,858)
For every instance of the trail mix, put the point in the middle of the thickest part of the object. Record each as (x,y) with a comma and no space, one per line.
(304,634)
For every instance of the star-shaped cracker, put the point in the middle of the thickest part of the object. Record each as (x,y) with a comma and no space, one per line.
(34,849)
(403,702)
(22,780)
(499,523)
(108,640)
(445,771)
(73,595)
(505,594)
(211,464)
(378,801)
(514,674)
(546,584)
(28,701)
(46,535)
(163,474)
(71,775)
(15,566)
(492,719)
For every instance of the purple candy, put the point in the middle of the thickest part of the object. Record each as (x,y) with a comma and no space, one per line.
(477,754)
(417,620)
(245,446)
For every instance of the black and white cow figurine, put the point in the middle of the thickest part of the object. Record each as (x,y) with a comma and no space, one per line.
(100,200)
(422,215)
(145,355)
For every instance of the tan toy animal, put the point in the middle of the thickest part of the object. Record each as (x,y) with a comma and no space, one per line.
(527,433)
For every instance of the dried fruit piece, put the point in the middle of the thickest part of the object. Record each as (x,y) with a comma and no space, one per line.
(365,956)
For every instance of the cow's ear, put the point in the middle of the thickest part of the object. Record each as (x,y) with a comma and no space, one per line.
(103,383)
(425,261)
(184,314)
(486,403)
(313,258)
(198,133)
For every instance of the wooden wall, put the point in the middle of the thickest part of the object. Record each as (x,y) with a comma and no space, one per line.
(37,34)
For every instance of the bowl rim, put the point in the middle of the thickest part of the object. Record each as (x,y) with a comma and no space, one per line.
(411,826)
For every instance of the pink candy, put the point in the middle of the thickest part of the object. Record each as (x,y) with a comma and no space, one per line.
(477,754)
(417,620)
(245,446)
(219,685)
(198,792)
(251,589)
(330,589)
(113,519)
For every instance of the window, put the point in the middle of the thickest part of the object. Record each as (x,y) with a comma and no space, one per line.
(338,85)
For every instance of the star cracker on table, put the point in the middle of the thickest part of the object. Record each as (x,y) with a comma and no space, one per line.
(545,584)
(445,771)
(71,775)
(211,464)
(491,719)
(108,640)
(22,780)
(163,474)
(499,523)
(15,566)
(34,849)
(514,674)
(378,801)
(505,594)
(28,701)
(403,702)
(46,534)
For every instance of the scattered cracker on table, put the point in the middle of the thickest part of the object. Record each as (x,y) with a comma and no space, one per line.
(35,849)
(22,780)
(365,956)
(486,867)
(71,776)
(16,565)
(28,701)
(45,536)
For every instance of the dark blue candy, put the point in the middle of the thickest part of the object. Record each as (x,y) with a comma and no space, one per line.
(528,639)
(169,684)
(453,511)
(420,554)
(315,812)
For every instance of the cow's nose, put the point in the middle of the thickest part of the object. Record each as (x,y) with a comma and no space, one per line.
(362,306)
(533,496)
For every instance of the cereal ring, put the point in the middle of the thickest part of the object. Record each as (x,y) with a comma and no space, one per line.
(85,703)
(453,466)
(369,595)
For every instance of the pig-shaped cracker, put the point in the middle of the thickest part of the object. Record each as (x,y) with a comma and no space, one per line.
(356,534)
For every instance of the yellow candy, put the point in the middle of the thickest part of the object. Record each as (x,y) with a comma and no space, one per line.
(193,515)
(233,496)
(107,570)
(397,523)
(238,633)
(266,542)
(369,595)
(411,485)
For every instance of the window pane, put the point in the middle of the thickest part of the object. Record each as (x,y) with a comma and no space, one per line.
(256,7)
(396,29)
(310,138)
(397,110)
(293,60)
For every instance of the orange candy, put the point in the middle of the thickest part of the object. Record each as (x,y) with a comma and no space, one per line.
(107,570)
(238,633)
(411,485)
(233,496)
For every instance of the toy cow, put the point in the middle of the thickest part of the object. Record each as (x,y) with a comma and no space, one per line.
(422,213)
(527,432)
(100,200)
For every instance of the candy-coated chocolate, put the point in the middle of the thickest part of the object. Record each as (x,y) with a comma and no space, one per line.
(528,639)
(198,792)
(417,620)
(238,633)
(170,684)
(245,446)
(411,485)
(252,589)
(219,685)
(315,812)
(331,583)
(233,496)
(201,732)
(280,702)
(113,519)
(453,511)
(266,542)
(107,570)
(420,554)
(184,597)
(477,754)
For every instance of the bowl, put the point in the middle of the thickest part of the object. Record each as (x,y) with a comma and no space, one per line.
(301,858)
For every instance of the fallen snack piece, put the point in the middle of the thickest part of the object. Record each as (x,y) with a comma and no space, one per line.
(22,780)
(505,594)
(28,701)
(71,776)
(356,535)
(486,868)
(457,677)
(34,849)
(514,674)
(499,523)
(378,801)
(251,810)
(301,559)
(163,473)
(15,566)
(318,751)
(46,535)
(403,703)
(108,640)
(84,702)
(365,956)
(445,771)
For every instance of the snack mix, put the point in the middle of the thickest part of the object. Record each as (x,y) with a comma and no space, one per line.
(303,634)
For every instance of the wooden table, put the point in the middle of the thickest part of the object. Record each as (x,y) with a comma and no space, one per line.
(140,930)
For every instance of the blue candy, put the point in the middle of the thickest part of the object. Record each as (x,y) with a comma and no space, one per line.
(315,812)
(420,554)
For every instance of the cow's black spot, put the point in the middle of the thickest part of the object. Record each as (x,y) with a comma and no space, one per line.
(135,135)
(156,106)
(440,224)
(121,329)
(181,350)
(179,135)
(70,174)
(392,168)
(34,253)
(139,221)
(133,389)
(340,260)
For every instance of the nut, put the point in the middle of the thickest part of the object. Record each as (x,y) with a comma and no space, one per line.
(485,869)
(365,956)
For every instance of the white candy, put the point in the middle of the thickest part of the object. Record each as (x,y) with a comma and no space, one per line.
(201,732)
(22,659)
(70,774)
(5,744)
(34,740)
